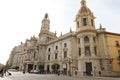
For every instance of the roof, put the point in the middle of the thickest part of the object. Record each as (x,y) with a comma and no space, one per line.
(84,9)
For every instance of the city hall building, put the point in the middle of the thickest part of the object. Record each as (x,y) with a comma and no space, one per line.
(86,50)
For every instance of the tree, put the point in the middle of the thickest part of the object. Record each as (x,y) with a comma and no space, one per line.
(16,67)
(41,67)
(55,67)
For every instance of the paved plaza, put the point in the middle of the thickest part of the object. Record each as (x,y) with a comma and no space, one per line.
(27,76)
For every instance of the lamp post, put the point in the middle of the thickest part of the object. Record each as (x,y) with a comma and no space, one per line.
(69,62)
(94,70)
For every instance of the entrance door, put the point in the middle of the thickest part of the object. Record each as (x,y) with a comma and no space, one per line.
(48,68)
(88,68)
(30,67)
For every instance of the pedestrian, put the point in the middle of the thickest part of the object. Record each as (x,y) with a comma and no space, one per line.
(4,72)
(75,72)
(58,73)
(1,72)
(99,73)
(23,71)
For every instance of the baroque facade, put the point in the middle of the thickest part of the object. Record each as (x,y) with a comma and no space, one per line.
(85,51)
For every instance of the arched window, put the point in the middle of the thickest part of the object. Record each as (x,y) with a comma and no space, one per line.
(78,24)
(78,40)
(94,39)
(92,22)
(34,54)
(79,51)
(65,54)
(56,55)
(86,39)
(48,57)
(95,50)
(84,21)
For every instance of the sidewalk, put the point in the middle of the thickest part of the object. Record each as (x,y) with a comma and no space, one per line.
(92,77)
(4,78)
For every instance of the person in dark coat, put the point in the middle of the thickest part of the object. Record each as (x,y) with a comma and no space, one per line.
(4,71)
(1,72)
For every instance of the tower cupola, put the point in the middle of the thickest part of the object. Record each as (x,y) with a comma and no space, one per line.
(84,18)
(45,23)
(83,3)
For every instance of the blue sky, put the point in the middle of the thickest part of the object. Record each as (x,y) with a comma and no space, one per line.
(21,19)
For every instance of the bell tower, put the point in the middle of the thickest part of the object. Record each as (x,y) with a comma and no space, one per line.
(85,18)
(45,23)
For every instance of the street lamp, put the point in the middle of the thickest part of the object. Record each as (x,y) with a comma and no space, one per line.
(94,70)
(69,62)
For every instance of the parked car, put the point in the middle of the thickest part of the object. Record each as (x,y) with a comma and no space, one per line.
(12,70)
(34,71)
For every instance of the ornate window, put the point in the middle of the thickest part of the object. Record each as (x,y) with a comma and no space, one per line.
(118,52)
(79,51)
(56,55)
(49,49)
(78,40)
(78,24)
(87,51)
(48,57)
(56,47)
(95,50)
(84,21)
(65,54)
(65,44)
(92,22)
(94,39)
(86,39)
(119,55)
(34,54)
(117,43)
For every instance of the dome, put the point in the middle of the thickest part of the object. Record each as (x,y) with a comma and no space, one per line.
(84,9)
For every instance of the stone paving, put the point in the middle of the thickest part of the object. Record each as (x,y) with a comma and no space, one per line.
(27,76)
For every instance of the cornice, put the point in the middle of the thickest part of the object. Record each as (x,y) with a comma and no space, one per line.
(88,30)
(110,33)
(65,36)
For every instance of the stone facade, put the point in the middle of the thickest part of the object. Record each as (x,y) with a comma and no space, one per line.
(86,51)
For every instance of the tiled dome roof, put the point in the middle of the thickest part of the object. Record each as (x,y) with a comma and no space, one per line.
(84,9)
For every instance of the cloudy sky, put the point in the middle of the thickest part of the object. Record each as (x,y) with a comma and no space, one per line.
(21,19)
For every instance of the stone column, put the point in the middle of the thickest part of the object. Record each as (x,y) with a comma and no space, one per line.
(92,47)
(82,47)
(26,68)
(81,67)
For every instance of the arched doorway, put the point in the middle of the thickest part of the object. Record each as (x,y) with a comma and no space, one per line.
(48,68)
(88,68)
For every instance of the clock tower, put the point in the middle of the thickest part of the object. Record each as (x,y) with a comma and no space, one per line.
(45,23)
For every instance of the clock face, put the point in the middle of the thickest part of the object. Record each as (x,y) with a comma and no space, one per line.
(45,24)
